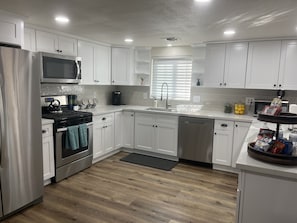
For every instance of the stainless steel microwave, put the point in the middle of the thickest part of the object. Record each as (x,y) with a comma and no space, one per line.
(260,104)
(60,68)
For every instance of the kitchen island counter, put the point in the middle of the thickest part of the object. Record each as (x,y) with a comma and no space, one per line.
(266,192)
(245,162)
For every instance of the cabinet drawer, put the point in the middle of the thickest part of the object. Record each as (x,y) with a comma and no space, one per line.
(107,118)
(47,130)
(224,125)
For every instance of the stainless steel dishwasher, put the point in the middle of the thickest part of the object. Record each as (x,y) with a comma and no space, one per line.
(195,136)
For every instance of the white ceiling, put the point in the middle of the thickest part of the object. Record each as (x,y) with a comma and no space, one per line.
(148,21)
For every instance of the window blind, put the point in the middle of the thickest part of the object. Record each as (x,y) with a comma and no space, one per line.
(176,73)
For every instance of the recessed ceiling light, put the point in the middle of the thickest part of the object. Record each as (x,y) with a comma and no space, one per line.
(202,1)
(229,32)
(169,44)
(129,40)
(62,19)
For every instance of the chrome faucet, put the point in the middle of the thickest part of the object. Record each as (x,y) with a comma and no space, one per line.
(166,102)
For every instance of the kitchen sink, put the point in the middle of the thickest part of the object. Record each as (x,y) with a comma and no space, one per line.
(161,109)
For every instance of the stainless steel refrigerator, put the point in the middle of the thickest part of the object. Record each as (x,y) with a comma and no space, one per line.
(21,167)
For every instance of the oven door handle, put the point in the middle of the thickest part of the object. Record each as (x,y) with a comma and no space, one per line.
(65,129)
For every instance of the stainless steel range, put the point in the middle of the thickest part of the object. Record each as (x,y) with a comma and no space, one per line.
(69,159)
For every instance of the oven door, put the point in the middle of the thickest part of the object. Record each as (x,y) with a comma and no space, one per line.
(65,155)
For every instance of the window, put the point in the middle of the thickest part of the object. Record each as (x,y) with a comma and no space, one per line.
(177,73)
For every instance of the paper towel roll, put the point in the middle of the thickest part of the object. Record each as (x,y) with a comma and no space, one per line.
(293,108)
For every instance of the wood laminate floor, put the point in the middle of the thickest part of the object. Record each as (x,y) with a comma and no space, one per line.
(118,192)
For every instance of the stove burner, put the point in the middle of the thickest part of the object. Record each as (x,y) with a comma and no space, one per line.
(68,116)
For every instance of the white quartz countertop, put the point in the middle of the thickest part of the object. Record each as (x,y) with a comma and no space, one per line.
(245,162)
(100,110)
(45,121)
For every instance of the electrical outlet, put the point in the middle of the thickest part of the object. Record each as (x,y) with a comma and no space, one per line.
(249,101)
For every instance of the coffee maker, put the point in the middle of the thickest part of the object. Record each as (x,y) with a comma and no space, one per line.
(116,98)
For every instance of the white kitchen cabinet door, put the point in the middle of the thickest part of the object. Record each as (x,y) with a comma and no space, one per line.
(235,65)
(48,157)
(166,130)
(240,131)
(47,42)
(12,29)
(52,43)
(85,51)
(102,66)
(144,132)
(108,137)
(288,66)
(48,152)
(103,135)
(29,40)
(120,66)
(98,146)
(222,142)
(215,62)
(263,65)
(118,127)
(67,46)
(128,129)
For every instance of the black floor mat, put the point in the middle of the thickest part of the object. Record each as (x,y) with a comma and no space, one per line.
(149,161)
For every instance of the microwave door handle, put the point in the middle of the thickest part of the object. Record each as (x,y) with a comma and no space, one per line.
(77,69)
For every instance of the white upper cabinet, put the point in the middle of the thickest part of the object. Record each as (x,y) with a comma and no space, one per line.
(288,65)
(52,43)
(121,66)
(29,40)
(95,63)
(67,45)
(226,65)
(86,52)
(263,65)
(12,29)
(215,63)
(235,65)
(102,66)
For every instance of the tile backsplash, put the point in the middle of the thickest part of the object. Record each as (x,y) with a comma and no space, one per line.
(101,93)
(214,98)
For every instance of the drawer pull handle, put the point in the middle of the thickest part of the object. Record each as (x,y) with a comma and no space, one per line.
(103,119)
(224,125)
(43,131)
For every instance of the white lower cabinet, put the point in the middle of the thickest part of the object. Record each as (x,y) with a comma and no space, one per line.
(118,130)
(48,152)
(128,129)
(103,134)
(227,142)
(156,133)
(240,131)
(222,142)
